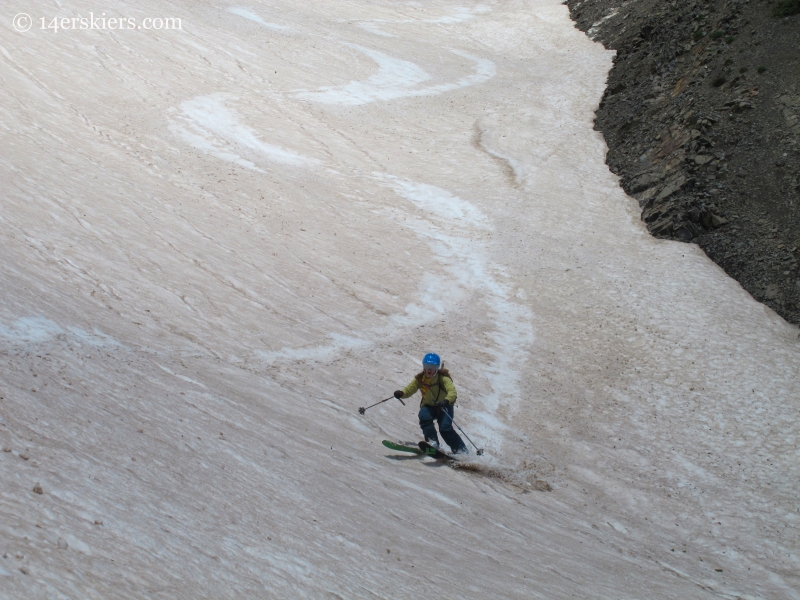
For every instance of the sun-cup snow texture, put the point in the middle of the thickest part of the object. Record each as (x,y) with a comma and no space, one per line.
(219,242)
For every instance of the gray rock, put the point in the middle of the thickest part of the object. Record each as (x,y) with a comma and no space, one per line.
(647,196)
(717,221)
(771,292)
(662,227)
(643,182)
(687,231)
(656,211)
(671,187)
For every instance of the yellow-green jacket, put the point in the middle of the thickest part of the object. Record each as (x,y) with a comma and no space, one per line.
(439,389)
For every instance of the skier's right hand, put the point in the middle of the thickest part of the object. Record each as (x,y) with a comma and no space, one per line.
(398,394)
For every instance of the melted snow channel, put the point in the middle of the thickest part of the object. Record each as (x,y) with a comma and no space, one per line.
(207,124)
(396,78)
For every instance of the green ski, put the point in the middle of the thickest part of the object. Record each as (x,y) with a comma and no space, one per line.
(402,447)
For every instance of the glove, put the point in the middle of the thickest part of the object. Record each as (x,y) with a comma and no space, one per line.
(442,404)
(398,394)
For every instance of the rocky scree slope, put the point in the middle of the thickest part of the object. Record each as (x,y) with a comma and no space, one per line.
(702,120)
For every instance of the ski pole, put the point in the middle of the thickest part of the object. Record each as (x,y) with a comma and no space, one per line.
(479,450)
(362,410)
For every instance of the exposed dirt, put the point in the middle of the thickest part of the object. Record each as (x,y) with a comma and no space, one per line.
(525,480)
(702,120)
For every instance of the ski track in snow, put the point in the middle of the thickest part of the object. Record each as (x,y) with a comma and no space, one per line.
(395,79)
(459,15)
(466,262)
(469,275)
(316,352)
(251,15)
(207,124)
(41,329)
(374,28)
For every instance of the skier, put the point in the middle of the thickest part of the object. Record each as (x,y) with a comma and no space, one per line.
(438,403)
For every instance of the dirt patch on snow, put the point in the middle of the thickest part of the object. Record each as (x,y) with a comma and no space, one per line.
(525,480)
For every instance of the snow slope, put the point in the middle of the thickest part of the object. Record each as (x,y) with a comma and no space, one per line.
(219,242)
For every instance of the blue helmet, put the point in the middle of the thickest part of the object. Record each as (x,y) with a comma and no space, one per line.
(431,360)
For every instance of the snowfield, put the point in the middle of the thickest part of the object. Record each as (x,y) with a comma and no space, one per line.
(217,243)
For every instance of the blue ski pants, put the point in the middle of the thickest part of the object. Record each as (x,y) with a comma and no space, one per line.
(444,416)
